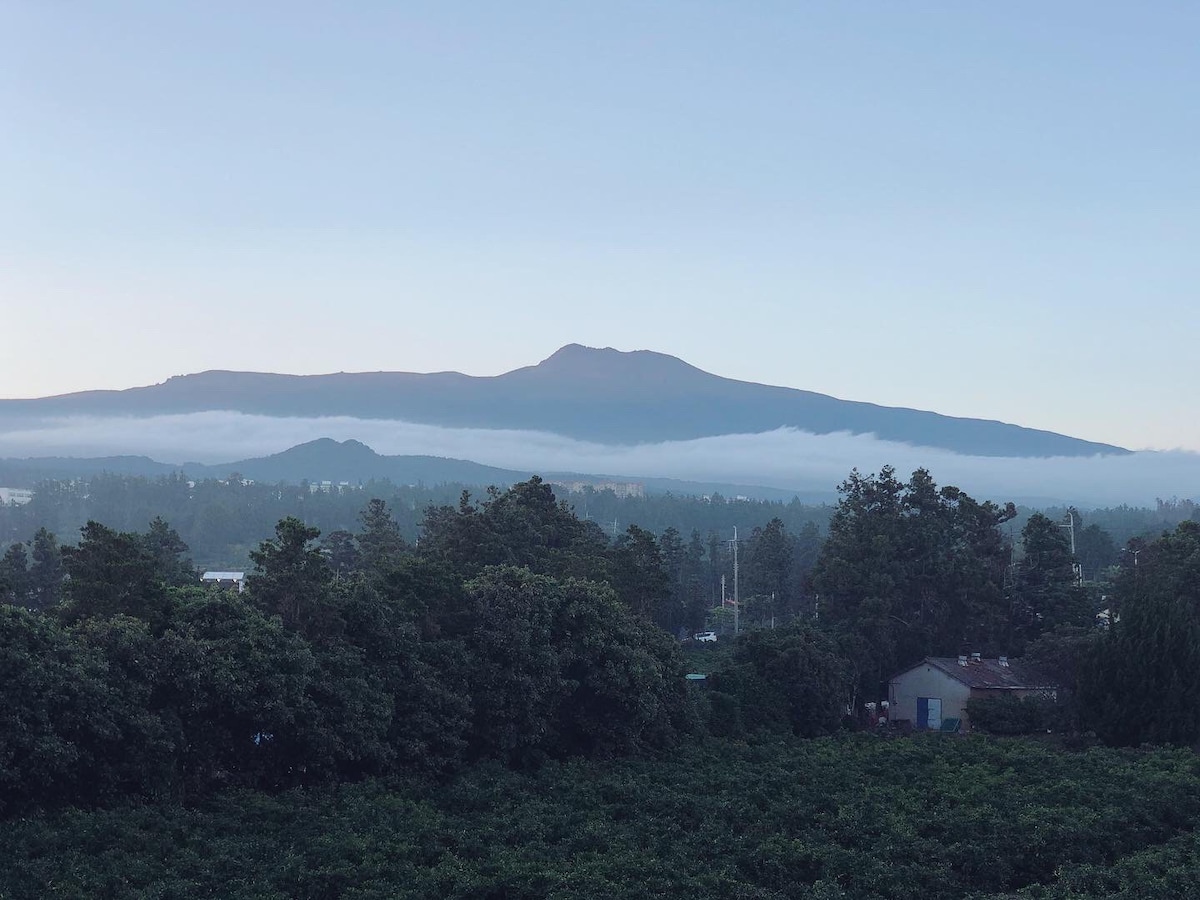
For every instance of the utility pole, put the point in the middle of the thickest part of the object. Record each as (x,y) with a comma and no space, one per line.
(1070,526)
(1075,565)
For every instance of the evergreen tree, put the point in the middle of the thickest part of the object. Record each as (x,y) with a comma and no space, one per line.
(341,552)
(674,561)
(1048,594)
(113,573)
(380,543)
(806,549)
(769,567)
(1143,678)
(292,580)
(45,571)
(696,585)
(14,576)
(911,570)
(641,579)
(1096,551)
(169,554)
(786,679)
(523,526)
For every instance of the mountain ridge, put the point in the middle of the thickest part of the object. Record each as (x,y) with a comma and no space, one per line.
(603,396)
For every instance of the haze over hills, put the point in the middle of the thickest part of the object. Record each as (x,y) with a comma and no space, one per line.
(601,396)
(354,462)
(322,459)
(637,416)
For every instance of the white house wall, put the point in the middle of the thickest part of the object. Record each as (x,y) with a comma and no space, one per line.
(926,681)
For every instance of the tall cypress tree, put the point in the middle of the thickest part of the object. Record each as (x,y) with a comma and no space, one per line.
(14,576)
(46,571)
(1143,679)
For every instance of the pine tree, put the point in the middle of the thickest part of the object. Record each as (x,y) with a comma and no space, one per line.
(46,571)
(14,576)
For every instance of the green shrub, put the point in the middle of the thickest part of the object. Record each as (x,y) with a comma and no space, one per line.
(1013,715)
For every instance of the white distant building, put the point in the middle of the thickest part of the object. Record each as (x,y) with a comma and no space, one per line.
(225,579)
(332,487)
(15,496)
(622,489)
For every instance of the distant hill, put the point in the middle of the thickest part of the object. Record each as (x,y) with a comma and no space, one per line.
(354,462)
(27,472)
(605,396)
(320,460)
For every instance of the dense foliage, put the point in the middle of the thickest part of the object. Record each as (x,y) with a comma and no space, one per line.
(1013,715)
(500,710)
(853,818)
(137,685)
(1142,680)
(790,680)
(911,570)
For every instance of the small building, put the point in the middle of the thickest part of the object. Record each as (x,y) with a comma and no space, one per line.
(622,489)
(938,688)
(230,580)
(15,496)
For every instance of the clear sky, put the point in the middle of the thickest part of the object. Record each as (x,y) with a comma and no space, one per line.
(984,209)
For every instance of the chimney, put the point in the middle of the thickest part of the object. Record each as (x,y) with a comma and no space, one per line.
(962,660)
(976,658)
(1004,661)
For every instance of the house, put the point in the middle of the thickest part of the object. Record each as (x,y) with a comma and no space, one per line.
(233,580)
(15,496)
(938,688)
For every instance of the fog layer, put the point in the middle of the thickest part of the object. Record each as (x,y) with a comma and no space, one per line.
(785,458)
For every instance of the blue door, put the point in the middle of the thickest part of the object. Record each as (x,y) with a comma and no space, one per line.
(929,713)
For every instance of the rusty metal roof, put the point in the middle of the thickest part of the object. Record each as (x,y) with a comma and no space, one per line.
(989,674)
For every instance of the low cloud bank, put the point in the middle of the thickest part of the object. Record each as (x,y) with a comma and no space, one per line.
(785,458)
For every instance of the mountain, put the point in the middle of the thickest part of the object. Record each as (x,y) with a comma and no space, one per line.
(320,460)
(605,396)
(328,460)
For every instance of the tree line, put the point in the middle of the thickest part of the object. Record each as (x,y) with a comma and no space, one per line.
(222,520)
(517,632)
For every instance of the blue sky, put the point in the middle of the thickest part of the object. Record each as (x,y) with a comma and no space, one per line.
(982,209)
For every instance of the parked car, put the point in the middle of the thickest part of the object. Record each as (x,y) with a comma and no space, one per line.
(706,637)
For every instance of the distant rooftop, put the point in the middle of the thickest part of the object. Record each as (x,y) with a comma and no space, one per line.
(991,674)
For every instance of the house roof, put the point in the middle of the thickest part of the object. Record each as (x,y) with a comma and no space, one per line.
(222,576)
(989,674)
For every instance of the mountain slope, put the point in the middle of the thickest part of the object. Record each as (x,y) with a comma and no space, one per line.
(605,396)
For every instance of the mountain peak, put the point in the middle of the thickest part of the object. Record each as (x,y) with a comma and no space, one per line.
(576,361)
(327,447)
